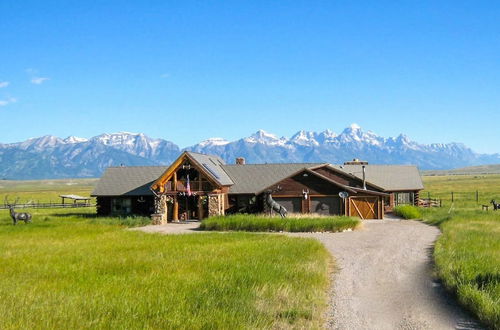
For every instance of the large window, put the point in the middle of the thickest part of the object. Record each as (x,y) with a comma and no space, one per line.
(404,198)
(121,205)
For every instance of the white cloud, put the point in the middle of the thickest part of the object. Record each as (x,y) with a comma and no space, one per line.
(39,80)
(7,101)
(165,75)
(4,84)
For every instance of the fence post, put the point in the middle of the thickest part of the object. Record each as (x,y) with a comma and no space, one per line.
(452,199)
(477,196)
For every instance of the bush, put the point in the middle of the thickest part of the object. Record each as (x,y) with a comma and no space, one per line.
(261,223)
(408,211)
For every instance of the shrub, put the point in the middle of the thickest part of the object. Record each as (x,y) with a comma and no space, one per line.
(408,211)
(262,223)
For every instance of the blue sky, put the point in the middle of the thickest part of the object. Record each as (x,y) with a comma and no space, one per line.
(186,71)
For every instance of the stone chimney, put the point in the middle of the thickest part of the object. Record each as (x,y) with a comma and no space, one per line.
(240,161)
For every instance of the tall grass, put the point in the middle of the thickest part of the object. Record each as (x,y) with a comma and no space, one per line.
(260,223)
(408,211)
(73,270)
(467,257)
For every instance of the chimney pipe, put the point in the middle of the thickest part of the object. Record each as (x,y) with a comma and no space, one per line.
(364,177)
(240,161)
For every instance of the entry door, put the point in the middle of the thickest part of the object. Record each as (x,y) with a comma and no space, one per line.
(329,205)
(363,207)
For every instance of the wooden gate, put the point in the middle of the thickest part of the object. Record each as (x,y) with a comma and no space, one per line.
(364,207)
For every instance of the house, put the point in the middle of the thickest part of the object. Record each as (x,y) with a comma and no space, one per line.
(196,186)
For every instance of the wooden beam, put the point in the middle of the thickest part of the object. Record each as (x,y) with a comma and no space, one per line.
(175,215)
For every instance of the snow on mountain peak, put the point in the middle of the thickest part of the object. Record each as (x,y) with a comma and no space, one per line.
(216,141)
(74,139)
(354,127)
(264,137)
(305,138)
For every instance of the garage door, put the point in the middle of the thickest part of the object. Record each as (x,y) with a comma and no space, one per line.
(291,204)
(325,205)
(363,207)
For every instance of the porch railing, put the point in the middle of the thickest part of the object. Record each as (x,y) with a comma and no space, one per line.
(194,185)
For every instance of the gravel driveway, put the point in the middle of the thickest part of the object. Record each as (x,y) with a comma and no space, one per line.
(384,279)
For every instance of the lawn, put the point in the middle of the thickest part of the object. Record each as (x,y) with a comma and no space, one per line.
(262,223)
(73,270)
(467,254)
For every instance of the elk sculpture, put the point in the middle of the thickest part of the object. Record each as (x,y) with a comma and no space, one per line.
(274,205)
(17,216)
(496,206)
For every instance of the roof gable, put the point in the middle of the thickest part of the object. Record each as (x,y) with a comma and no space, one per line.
(253,178)
(210,166)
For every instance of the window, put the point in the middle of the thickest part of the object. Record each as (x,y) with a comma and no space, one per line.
(121,205)
(404,198)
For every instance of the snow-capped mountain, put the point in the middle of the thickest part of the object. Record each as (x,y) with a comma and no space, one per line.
(53,157)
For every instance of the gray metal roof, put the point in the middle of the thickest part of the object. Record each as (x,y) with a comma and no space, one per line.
(252,178)
(387,177)
(128,181)
(212,166)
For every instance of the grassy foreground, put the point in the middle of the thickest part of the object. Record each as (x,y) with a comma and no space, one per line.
(69,271)
(467,257)
(260,223)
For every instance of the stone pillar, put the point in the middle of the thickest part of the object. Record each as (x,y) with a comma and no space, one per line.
(215,205)
(161,210)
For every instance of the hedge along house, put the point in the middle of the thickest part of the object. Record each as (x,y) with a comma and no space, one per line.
(196,186)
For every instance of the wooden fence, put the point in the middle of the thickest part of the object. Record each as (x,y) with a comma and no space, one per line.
(48,205)
(429,202)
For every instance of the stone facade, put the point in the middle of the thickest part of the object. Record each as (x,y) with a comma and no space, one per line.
(215,205)
(161,210)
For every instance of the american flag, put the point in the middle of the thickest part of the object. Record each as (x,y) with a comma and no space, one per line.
(188,186)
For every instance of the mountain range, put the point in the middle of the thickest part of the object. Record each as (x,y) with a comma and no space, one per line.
(52,157)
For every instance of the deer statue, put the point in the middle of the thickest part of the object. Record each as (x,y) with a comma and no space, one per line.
(496,206)
(275,206)
(17,216)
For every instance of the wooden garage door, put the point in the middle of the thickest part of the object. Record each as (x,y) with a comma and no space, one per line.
(329,205)
(364,207)
(291,204)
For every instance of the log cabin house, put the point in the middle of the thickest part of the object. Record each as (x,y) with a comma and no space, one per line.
(196,186)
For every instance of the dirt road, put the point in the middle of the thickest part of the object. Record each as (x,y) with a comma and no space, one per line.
(384,279)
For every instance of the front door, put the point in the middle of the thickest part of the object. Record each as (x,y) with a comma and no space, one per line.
(191,208)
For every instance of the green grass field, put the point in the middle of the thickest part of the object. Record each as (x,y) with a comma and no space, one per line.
(464,189)
(44,191)
(467,254)
(71,269)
